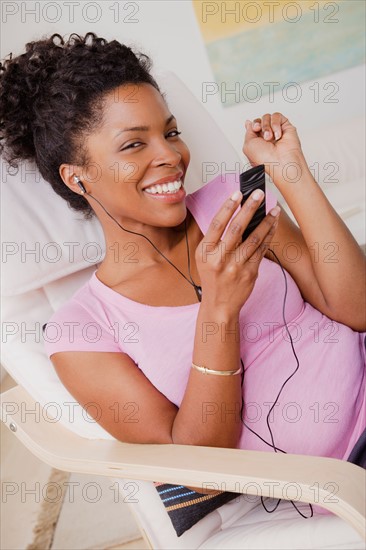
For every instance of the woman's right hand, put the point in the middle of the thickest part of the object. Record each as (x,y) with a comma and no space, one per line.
(227,267)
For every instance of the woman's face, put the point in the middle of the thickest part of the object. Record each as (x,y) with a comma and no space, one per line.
(126,161)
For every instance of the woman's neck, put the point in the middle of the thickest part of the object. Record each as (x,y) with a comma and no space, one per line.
(131,254)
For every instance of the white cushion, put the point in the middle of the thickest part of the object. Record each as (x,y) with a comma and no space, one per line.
(285,529)
(336,152)
(240,524)
(24,357)
(336,157)
(35,219)
(348,198)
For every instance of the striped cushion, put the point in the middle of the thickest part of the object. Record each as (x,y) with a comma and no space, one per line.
(186,507)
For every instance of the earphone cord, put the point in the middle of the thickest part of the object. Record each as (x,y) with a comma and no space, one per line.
(191,282)
(275,448)
(199,295)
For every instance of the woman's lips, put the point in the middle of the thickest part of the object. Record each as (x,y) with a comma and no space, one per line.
(178,196)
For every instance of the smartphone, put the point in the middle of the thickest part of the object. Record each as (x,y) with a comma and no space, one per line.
(254,178)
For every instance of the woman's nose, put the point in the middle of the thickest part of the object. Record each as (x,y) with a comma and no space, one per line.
(167,153)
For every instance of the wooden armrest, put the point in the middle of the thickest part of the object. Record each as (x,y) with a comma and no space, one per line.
(340,485)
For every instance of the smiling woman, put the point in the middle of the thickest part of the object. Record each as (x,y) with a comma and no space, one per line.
(169,331)
(136,149)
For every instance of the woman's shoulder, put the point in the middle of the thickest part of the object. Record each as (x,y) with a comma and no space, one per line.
(74,305)
(79,325)
(215,188)
(207,200)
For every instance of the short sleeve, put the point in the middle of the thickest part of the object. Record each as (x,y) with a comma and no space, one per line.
(207,200)
(72,328)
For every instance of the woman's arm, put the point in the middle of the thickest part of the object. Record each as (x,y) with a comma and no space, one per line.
(209,413)
(335,263)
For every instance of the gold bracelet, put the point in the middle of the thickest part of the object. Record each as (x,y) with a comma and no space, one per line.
(205,370)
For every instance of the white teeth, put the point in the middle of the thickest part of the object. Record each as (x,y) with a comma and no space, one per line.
(170,187)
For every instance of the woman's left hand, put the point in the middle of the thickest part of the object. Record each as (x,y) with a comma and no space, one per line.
(271,139)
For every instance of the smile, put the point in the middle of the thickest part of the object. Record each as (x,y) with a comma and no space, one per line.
(165,189)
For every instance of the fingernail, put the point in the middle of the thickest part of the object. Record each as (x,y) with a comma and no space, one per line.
(266,135)
(257,194)
(277,135)
(236,195)
(275,211)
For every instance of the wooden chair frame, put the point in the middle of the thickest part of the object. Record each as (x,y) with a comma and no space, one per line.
(276,475)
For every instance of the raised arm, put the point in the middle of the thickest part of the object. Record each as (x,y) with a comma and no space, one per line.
(333,267)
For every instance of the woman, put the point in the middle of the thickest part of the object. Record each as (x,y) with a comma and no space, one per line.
(177,290)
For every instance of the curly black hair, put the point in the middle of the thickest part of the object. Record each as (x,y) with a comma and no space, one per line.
(52,97)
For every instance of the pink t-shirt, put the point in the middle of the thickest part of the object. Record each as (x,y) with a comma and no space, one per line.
(321,410)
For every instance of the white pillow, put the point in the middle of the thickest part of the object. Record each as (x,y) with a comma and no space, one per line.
(336,153)
(24,357)
(35,219)
(43,239)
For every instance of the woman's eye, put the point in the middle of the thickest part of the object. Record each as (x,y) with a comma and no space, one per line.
(132,145)
(175,132)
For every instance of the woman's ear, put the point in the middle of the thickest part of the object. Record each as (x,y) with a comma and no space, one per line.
(69,173)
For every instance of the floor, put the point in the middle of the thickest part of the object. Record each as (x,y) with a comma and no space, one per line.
(103,525)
